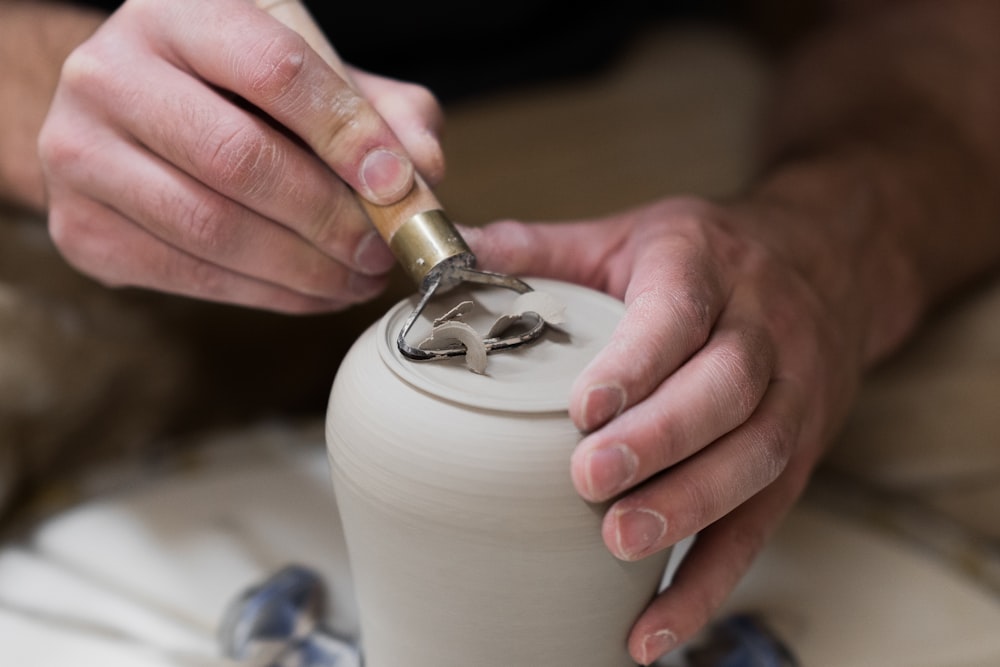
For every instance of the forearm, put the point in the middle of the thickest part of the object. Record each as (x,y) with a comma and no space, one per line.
(884,132)
(35,38)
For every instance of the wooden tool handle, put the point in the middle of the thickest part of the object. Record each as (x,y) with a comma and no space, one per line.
(420,199)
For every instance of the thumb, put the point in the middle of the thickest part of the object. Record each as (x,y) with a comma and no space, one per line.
(575,252)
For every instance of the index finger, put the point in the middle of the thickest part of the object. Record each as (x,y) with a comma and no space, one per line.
(668,317)
(240,48)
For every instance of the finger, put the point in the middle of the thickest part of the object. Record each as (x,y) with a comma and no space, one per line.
(675,287)
(668,317)
(714,392)
(185,214)
(236,154)
(106,246)
(415,117)
(698,491)
(656,285)
(718,559)
(576,252)
(274,69)
(589,252)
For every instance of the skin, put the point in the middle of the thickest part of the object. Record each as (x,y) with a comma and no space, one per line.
(157,178)
(749,323)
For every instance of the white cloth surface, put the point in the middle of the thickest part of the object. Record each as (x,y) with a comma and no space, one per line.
(141,577)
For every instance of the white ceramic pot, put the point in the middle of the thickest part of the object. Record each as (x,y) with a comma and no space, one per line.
(468,543)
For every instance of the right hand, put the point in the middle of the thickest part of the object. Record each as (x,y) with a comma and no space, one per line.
(733,366)
(202,148)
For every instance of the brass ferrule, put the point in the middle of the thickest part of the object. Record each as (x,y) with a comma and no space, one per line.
(427,246)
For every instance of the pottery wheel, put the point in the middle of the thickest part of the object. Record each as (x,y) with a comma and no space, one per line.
(141,575)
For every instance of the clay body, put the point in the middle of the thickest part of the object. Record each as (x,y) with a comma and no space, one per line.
(468,542)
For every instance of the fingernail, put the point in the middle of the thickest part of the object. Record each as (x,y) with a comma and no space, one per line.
(373,255)
(386,176)
(602,403)
(610,471)
(657,644)
(638,531)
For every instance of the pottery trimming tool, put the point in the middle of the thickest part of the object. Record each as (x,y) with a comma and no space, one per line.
(425,242)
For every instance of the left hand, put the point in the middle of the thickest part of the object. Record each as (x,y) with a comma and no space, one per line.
(712,403)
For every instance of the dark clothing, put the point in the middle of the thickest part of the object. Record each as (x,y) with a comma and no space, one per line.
(460,48)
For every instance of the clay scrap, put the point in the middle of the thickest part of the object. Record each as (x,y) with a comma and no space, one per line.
(454,332)
(455,313)
(450,331)
(545,305)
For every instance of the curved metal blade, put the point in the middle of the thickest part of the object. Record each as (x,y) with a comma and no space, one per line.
(532,323)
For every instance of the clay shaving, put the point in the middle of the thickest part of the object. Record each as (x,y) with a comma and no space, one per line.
(454,332)
(549,308)
(455,313)
(449,331)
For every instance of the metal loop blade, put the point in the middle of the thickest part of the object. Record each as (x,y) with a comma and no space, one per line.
(532,323)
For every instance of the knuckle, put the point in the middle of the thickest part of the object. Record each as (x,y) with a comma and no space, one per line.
(702,497)
(741,373)
(349,118)
(769,447)
(84,69)
(273,70)
(735,383)
(326,232)
(65,152)
(346,105)
(780,445)
(242,159)
(340,228)
(690,308)
(201,223)
(58,150)
(94,73)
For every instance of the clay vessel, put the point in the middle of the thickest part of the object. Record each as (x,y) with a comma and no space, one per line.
(468,543)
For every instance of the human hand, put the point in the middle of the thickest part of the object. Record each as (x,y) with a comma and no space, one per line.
(712,403)
(201,148)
